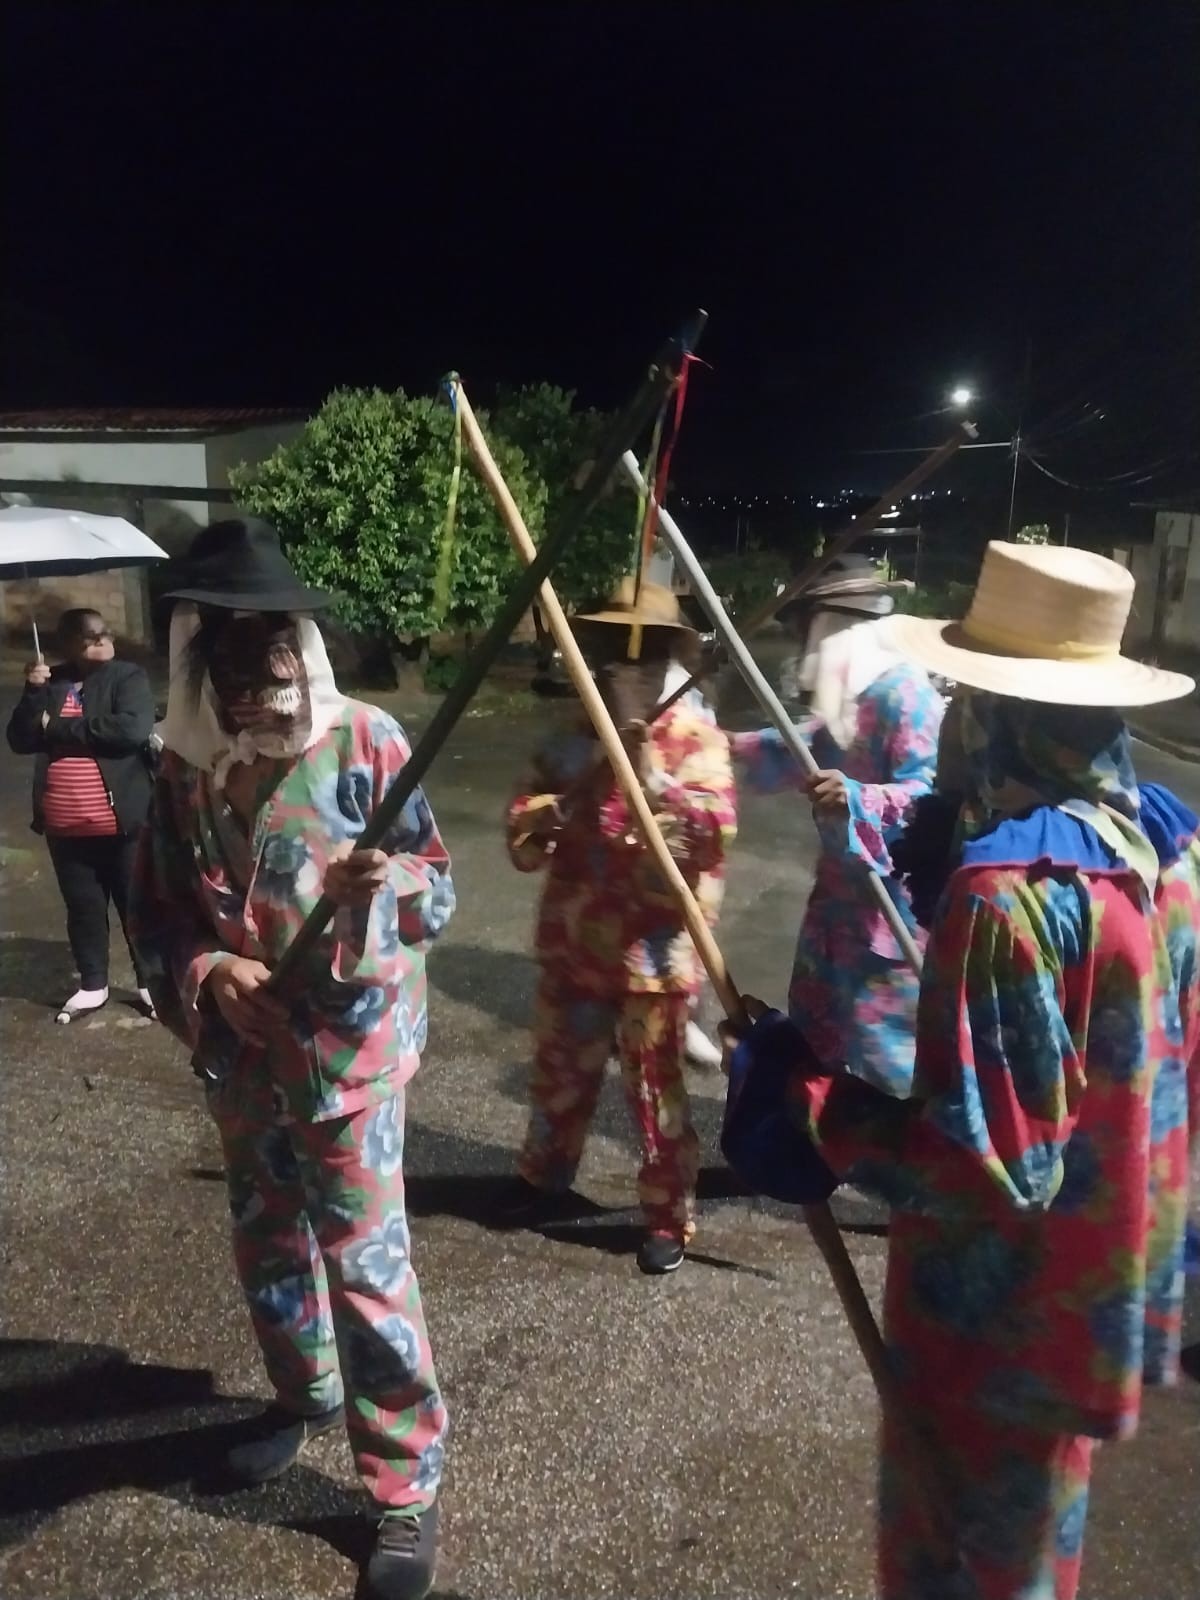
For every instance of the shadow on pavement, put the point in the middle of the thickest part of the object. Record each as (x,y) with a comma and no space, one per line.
(498,982)
(78,1420)
(38,970)
(623,1238)
(476,1198)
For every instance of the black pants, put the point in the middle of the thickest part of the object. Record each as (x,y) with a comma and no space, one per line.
(90,873)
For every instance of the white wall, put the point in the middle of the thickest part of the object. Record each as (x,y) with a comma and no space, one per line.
(177,463)
(1167,573)
(225,450)
(1179,534)
(1142,561)
(113,460)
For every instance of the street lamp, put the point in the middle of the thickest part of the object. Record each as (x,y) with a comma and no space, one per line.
(962,396)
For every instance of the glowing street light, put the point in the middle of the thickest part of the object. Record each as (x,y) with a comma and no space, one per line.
(962,396)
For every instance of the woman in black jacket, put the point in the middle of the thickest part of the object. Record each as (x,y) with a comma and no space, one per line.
(89,723)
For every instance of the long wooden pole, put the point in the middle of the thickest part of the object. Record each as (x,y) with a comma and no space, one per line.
(655,386)
(593,704)
(805,579)
(735,647)
(820,1218)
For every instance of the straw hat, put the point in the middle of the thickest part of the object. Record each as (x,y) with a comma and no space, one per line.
(851,583)
(651,606)
(1045,624)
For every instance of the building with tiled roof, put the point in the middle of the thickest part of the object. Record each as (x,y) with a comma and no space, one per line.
(165,469)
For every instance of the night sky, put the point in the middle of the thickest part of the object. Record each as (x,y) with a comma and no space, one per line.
(250,204)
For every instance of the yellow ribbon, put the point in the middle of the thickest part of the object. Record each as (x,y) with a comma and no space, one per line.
(1011,642)
(445,562)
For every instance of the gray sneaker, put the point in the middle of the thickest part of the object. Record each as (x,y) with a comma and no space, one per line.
(405,1555)
(277,1437)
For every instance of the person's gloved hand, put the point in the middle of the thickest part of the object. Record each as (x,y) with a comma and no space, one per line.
(761,1138)
(732,1033)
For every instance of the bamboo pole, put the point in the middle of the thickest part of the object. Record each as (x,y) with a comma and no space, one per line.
(820,1219)
(593,704)
(735,645)
(657,383)
(853,530)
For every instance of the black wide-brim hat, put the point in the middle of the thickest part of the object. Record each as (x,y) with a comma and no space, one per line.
(240,566)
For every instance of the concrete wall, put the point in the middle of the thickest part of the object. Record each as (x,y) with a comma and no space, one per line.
(226,450)
(115,459)
(1166,607)
(123,597)
(1142,561)
(119,597)
(169,460)
(1180,537)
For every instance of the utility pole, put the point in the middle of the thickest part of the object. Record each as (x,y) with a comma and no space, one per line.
(1012,496)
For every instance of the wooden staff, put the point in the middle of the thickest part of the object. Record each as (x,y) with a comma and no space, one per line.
(853,530)
(593,704)
(735,646)
(820,1218)
(655,386)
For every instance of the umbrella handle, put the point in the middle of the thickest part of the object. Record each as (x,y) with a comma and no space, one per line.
(37,643)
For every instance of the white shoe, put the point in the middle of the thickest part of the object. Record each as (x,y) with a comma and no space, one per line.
(699,1048)
(81,1002)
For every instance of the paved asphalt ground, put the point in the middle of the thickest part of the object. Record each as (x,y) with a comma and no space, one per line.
(708,1435)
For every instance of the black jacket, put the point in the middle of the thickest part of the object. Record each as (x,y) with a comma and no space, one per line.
(117,720)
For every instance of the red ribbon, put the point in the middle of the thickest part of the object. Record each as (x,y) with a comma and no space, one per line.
(661,477)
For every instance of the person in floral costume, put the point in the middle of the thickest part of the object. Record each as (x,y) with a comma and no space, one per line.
(1038,1176)
(268,776)
(618,967)
(874,731)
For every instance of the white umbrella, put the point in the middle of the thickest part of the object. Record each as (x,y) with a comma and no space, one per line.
(43,542)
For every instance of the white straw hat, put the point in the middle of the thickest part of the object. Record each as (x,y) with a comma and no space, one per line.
(1045,624)
(650,605)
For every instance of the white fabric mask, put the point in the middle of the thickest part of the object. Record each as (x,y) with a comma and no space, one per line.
(848,661)
(192,726)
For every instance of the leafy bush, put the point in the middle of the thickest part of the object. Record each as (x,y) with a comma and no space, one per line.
(949,600)
(559,439)
(442,672)
(359,499)
(748,580)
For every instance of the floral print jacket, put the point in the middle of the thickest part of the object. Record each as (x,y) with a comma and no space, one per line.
(607,920)
(203,890)
(1039,1175)
(890,764)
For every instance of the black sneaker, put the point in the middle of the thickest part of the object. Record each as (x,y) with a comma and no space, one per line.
(277,1438)
(659,1254)
(405,1555)
(521,1204)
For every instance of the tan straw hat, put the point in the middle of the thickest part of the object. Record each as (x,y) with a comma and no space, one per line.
(651,606)
(1045,624)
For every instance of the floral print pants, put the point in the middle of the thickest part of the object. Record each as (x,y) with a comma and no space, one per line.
(321,1244)
(1019,1507)
(575,1034)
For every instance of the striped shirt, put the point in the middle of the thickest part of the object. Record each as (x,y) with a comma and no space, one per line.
(75,803)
